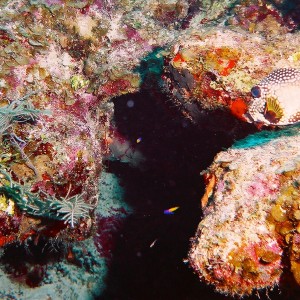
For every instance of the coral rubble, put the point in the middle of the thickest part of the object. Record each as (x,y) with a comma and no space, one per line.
(251,223)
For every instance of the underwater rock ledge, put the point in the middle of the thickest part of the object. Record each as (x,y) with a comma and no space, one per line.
(216,67)
(252,221)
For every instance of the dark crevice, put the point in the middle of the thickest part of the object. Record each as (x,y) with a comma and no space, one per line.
(27,263)
(176,150)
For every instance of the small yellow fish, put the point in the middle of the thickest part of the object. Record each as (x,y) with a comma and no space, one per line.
(170,211)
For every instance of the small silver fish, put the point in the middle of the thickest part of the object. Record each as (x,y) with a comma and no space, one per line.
(276,99)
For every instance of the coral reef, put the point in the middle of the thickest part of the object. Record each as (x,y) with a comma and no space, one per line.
(53,128)
(110,216)
(248,238)
(56,269)
(251,220)
(61,62)
(215,67)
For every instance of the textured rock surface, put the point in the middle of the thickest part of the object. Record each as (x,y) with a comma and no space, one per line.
(251,224)
(216,66)
(60,63)
(68,271)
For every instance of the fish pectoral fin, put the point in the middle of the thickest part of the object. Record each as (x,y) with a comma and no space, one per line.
(273,111)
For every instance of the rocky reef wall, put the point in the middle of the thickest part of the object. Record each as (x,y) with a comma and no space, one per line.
(61,64)
(248,237)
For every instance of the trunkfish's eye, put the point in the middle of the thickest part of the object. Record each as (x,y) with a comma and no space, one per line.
(256,92)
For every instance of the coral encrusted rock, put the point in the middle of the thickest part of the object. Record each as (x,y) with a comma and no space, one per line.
(216,67)
(249,237)
(53,124)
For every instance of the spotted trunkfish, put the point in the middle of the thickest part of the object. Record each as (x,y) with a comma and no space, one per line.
(276,99)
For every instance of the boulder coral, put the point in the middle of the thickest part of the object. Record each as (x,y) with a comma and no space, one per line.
(249,237)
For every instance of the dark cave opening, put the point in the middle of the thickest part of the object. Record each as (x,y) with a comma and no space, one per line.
(150,250)
(27,263)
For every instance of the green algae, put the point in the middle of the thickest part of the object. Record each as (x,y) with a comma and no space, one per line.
(264,137)
(151,67)
(68,209)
